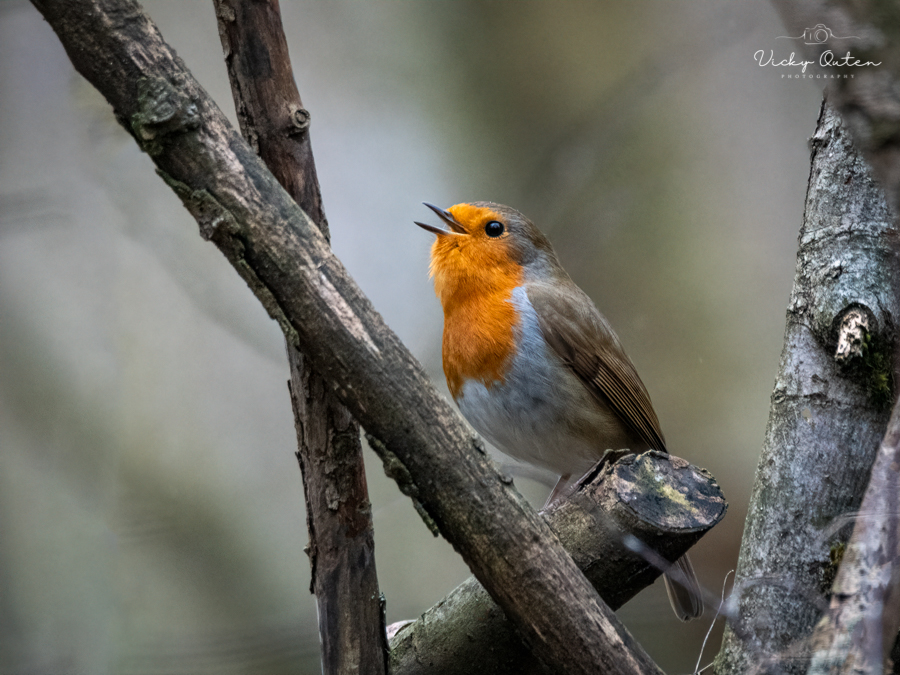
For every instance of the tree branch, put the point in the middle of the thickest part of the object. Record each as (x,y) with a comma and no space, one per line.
(829,409)
(339,517)
(269,110)
(637,499)
(860,627)
(286,262)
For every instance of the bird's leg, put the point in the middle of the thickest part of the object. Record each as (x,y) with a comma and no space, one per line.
(561,491)
(609,457)
(566,485)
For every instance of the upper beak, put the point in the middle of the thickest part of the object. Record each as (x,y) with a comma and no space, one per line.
(447,217)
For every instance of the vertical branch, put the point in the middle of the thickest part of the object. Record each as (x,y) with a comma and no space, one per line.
(829,409)
(341,549)
(339,520)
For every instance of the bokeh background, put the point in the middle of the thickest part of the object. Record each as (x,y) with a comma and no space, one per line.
(151,514)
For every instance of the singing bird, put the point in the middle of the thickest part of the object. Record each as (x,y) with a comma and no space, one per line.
(531,362)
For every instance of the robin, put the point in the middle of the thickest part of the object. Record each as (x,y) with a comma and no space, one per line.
(531,362)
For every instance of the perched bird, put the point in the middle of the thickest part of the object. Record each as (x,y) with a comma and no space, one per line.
(531,362)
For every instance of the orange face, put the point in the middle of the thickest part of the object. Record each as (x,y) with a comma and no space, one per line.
(472,261)
(474,276)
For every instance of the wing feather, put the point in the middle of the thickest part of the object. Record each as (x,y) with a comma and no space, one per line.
(580,335)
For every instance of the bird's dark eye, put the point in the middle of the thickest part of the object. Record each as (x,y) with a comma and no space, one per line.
(493,229)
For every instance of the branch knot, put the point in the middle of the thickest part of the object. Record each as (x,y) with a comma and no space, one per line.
(852,333)
(163,109)
(300,119)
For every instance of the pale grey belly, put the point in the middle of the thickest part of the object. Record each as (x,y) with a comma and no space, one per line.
(541,413)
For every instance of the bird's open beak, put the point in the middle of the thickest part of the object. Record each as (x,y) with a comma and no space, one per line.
(447,217)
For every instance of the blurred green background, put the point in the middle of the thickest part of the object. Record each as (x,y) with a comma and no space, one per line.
(151,515)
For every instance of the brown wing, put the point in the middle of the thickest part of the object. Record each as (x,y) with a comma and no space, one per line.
(580,335)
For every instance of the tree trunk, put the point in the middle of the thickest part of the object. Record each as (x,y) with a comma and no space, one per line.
(829,409)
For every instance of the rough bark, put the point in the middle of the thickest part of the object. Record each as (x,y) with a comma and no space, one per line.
(286,262)
(339,519)
(856,634)
(828,414)
(640,497)
(269,109)
(869,97)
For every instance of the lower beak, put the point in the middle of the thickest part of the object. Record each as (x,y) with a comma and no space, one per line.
(432,228)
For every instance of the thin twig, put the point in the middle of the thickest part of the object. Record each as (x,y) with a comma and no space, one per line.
(697,669)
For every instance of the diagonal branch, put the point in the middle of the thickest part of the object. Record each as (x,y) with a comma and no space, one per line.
(286,262)
(339,516)
(857,633)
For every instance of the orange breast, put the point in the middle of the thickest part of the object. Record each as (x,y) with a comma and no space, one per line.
(479,338)
(475,279)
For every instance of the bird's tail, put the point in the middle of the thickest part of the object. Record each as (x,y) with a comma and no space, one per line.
(684,590)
